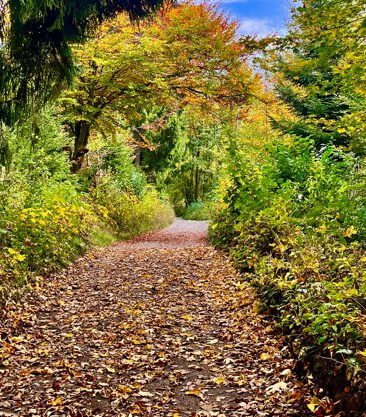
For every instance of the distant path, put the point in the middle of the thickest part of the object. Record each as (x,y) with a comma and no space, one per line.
(181,234)
(160,326)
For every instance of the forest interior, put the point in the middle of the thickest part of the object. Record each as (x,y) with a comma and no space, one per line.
(182,209)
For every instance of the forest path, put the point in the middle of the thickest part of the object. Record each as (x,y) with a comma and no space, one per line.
(158,326)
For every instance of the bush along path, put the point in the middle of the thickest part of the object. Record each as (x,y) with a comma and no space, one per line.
(158,326)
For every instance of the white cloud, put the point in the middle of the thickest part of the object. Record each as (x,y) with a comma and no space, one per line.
(258,27)
(232,1)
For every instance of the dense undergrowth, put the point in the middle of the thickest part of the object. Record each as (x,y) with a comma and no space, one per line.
(294,222)
(197,211)
(292,202)
(49,216)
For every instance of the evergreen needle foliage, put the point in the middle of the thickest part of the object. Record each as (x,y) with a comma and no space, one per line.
(36,61)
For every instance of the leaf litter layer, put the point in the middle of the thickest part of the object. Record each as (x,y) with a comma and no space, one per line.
(159,326)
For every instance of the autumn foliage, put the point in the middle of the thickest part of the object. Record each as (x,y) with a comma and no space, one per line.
(292,214)
(109,128)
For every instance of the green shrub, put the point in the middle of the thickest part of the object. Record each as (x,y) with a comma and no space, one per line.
(44,220)
(49,216)
(130,215)
(295,223)
(197,211)
(37,240)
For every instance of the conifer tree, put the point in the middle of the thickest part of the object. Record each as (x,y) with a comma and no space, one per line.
(35,38)
(320,73)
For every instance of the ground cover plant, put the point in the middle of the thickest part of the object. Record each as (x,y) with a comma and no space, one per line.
(297,242)
(197,211)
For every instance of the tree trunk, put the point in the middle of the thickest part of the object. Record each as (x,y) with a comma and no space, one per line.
(137,159)
(137,148)
(82,133)
(196,184)
(197,177)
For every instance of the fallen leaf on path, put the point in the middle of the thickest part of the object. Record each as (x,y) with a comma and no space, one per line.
(196,393)
(314,404)
(279,387)
(57,401)
(219,380)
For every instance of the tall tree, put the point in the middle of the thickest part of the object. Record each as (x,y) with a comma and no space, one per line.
(35,37)
(321,74)
(189,55)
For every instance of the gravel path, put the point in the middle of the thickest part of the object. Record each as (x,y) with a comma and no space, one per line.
(181,234)
(160,326)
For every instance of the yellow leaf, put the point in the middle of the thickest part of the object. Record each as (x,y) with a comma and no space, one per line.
(219,380)
(350,232)
(195,393)
(322,229)
(265,356)
(187,317)
(125,389)
(68,335)
(240,286)
(282,248)
(57,401)
(242,380)
(16,339)
(314,404)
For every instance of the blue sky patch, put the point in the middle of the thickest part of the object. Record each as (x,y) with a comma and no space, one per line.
(259,17)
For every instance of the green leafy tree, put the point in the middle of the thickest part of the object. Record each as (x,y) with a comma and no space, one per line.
(36,36)
(190,55)
(184,158)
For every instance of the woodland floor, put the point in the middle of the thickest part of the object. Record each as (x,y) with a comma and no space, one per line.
(159,326)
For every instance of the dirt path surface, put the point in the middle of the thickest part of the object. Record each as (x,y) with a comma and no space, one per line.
(159,326)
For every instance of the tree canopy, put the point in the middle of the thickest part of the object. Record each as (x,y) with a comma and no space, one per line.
(320,72)
(36,61)
(189,56)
